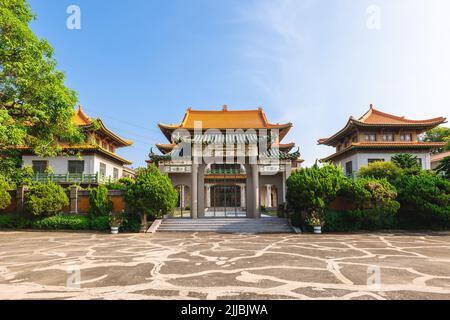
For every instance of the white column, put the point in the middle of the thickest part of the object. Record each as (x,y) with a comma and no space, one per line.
(182,204)
(243,196)
(208,195)
(268,196)
(194,192)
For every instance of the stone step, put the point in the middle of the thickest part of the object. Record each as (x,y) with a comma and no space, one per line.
(226,225)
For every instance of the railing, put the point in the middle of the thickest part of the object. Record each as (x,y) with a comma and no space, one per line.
(225,171)
(71,178)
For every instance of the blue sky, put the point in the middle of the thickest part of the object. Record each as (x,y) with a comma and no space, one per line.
(311,62)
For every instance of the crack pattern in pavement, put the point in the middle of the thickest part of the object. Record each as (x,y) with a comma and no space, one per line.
(36,265)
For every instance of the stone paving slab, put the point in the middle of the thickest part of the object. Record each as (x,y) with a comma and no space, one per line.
(63,265)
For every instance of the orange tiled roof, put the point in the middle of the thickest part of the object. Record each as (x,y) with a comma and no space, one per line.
(83,120)
(376,118)
(225,119)
(394,145)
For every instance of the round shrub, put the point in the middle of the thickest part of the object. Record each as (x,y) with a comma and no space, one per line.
(151,193)
(45,199)
(311,190)
(381,170)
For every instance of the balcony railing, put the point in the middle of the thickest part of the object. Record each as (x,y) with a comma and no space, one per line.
(225,171)
(71,178)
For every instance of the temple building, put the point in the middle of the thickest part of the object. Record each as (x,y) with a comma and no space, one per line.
(378,136)
(92,162)
(227,163)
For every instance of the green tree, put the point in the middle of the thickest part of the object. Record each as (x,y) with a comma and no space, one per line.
(407,162)
(438,134)
(45,199)
(311,190)
(100,202)
(151,193)
(444,168)
(35,105)
(381,170)
(425,198)
(5,197)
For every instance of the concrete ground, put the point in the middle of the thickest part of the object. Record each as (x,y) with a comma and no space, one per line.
(62,265)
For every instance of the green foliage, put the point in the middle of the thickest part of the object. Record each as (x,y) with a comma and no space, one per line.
(100,223)
(444,168)
(132,222)
(381,170)
(100,202)
(152,192)
(424,198)
(439,134)
(122,184)
(10,221)
(35,105)
(376,205)
(5,197)
(407,162)
(63,222)
(312,189)
(45,199)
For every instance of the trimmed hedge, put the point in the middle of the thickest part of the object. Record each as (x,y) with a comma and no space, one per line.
(67,222)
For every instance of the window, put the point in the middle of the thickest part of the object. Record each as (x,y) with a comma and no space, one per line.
(370,137)
(115,173)
(104,145)
(388,137)
(406,137)
(349,168)
(76,166)
(374,160)
(40,166)
(102,169)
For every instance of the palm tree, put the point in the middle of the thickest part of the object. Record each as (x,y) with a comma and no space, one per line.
(406,161)
(444,167)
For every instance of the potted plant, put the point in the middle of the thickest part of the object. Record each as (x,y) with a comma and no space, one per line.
(115,221)
(315,221)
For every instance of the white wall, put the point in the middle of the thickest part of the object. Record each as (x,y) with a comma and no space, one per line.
(110,165)
(60,164)
(362,159)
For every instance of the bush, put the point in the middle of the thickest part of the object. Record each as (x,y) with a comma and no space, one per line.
(312,189)
(9,221)
(132,223)
(100,202)
(63,222)
(122,184)
(152,192)
(100,223)
(381,170)
(45,199)
(5,197)
(425,200)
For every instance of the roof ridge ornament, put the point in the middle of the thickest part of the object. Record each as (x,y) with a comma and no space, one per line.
(225,107)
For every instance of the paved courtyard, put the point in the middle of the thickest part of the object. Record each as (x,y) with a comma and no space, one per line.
(36,265)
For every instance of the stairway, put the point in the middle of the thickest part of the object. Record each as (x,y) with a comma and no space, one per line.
(227,225)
